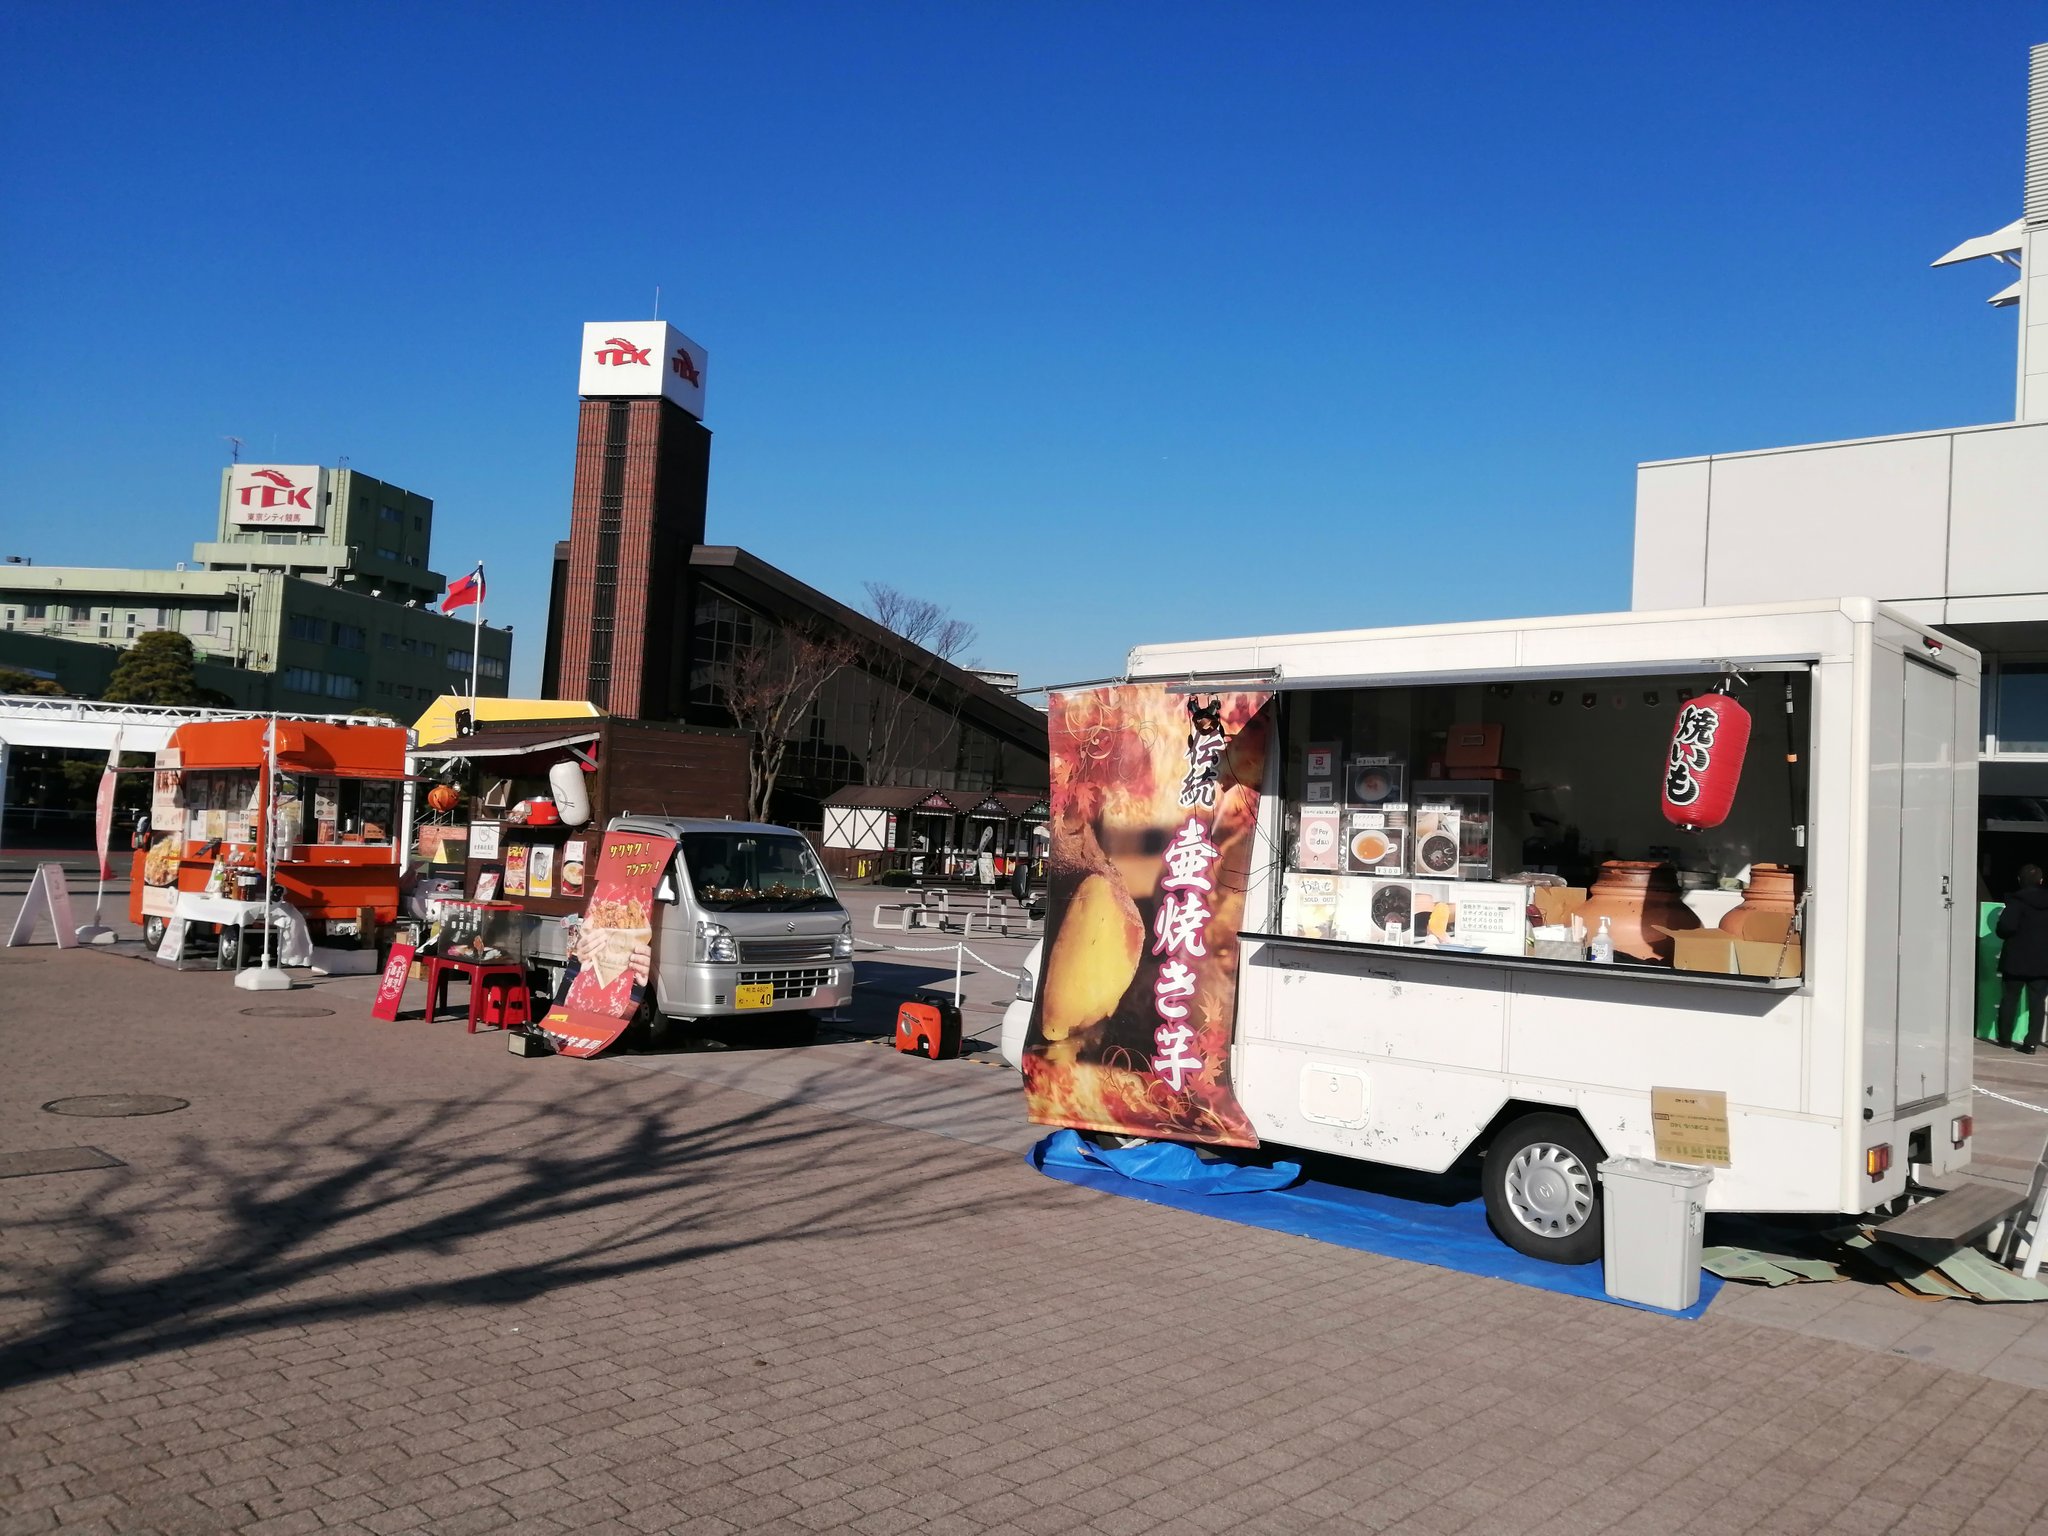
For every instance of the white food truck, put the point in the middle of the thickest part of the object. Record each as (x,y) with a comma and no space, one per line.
(1377,1034)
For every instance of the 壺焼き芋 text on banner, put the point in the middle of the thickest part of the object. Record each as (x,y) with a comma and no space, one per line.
(1155,803)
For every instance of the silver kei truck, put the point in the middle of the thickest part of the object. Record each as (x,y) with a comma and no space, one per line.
(747,928)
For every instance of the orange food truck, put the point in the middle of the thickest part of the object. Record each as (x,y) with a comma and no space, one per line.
(335,808)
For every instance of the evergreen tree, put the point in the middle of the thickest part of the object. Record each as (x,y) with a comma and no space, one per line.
(157,669)
(13,681)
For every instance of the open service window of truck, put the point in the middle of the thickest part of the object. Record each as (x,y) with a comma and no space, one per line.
(1523,820)
(1344,892)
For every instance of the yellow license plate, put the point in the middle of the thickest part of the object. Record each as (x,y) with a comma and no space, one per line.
(754,994)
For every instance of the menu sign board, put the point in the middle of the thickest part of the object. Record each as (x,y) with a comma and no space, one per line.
(610,964)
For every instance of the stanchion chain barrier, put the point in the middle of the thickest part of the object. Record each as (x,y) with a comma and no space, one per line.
(1013,975)
(933,949)
(2039,1109)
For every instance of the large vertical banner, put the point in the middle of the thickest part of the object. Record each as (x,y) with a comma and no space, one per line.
(166,835)
(612,963)
(1155,803)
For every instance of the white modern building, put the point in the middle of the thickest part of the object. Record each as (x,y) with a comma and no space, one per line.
(1951,525)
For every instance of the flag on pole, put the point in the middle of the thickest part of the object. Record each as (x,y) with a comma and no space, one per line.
(103,806)
(466,591)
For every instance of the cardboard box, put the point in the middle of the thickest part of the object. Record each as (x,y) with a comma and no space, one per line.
(1557,903)
(1471,746)
(1722,954)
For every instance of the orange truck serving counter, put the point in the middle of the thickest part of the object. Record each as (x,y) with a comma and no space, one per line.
(335,811)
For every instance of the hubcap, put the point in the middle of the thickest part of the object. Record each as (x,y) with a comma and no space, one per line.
(1549,1190)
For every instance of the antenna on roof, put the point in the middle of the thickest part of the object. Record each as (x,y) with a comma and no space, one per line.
(657,301)
(234,449)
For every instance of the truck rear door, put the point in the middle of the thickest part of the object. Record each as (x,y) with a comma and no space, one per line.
(1927,876)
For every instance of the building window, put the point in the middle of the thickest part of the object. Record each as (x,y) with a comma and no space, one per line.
(2021,723)
(280,538)
(34,611)
(419,524)
(350,637)
(390,514)
(384,686)
(493,667)
(427,649)
(411,644)
(80,615)
(412,559)
(384,553)
(458,661)
(303,626)
(341,686)
(388,640)
(302,679)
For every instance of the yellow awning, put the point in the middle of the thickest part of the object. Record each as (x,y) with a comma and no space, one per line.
(438,723)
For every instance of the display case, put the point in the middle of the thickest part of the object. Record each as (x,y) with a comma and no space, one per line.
(1507,819)
(481,933)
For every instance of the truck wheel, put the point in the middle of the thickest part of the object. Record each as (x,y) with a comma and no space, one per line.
(153,932)
(1542,1194)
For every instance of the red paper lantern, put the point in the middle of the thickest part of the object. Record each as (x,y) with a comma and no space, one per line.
(1708,743)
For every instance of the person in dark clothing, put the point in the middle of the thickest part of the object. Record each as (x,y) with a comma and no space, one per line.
(2023,958)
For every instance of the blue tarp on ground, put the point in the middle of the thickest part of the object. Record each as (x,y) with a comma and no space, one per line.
(1277,1197)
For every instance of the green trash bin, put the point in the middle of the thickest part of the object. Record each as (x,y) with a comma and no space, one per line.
(1988,984)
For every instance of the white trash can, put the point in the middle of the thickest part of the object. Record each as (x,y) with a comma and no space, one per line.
(1656,1216)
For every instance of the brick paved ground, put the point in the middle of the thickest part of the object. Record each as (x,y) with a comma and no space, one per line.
(390,1278)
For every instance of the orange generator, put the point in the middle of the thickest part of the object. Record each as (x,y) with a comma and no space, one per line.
(930,1027)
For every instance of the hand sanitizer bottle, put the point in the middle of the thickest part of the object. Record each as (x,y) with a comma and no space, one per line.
(1603,944)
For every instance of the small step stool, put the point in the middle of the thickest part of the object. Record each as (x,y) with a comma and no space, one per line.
(1953,1219)
(506,1003)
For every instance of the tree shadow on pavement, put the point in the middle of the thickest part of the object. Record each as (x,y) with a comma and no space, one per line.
(357,1208)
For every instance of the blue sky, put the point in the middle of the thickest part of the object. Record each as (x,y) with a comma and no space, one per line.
(1100,324)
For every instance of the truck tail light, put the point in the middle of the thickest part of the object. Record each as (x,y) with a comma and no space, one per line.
(1877,1162)
(1960,1128)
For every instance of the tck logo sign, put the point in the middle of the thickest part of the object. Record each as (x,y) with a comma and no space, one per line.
(639,358)
(618,352)
(274,488)
(277,495)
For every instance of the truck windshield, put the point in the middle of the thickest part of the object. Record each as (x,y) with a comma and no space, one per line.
(744,871)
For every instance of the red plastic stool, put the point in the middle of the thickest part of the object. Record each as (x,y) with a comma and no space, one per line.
(480,977)
(506,1002)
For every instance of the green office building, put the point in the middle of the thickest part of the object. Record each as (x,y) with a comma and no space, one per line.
(315,594)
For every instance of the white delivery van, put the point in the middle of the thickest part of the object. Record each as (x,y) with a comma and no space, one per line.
(1402,1045)
(747,928)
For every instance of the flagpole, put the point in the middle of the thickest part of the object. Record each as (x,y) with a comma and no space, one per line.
(269,836)
(264,977)
(476,644)
(96,932)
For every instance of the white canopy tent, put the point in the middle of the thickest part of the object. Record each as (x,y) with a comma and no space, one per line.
(85,725)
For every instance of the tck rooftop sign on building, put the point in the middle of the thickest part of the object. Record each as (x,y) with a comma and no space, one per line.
(277,495)
(642,357)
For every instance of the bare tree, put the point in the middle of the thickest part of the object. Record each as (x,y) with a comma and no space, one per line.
(899,679)
(770,687)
